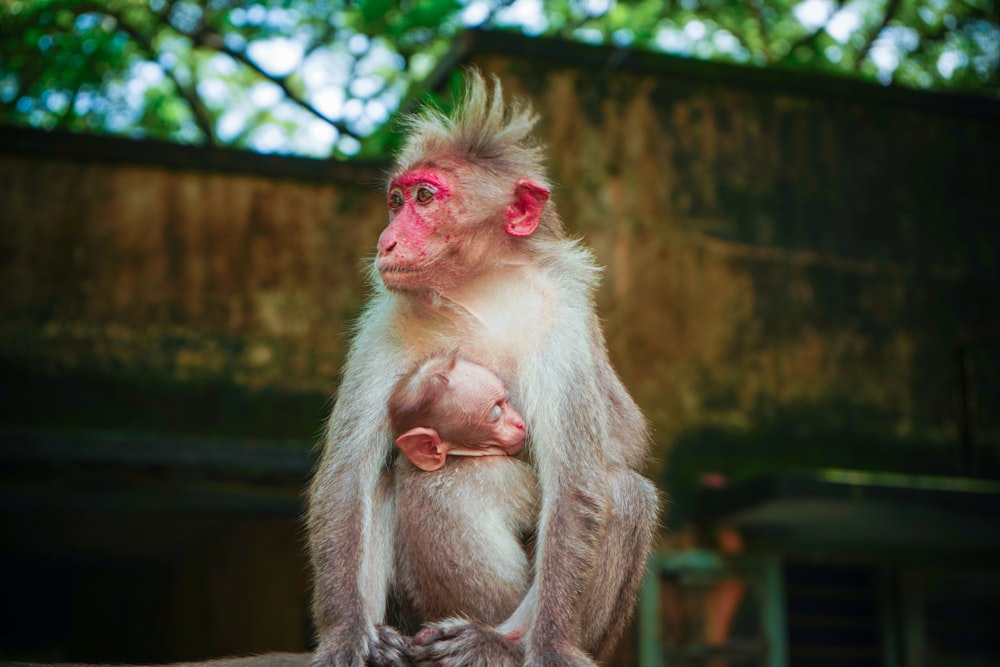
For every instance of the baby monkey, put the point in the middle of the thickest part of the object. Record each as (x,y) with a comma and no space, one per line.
(465,508)
(449,406)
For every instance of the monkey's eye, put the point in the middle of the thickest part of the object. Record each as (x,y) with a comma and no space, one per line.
(395,201)
(495,412)
(424,195)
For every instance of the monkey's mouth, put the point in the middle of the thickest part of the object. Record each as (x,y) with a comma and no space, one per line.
(403,279)
(396,270)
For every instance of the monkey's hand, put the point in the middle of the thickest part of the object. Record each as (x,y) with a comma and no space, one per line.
(386,648)
(461,643)
(391,649)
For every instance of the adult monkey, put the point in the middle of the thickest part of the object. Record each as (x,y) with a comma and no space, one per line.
(475,257)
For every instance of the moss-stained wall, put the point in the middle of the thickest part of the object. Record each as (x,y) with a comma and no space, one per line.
(251,277)
(790,268)
(187,284)
(790,272)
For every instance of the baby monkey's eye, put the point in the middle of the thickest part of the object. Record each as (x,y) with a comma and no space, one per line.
(495,412)
(424,195)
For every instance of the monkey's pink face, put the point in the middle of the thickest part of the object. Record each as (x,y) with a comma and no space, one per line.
(423,231)
(483,399)
(441,231)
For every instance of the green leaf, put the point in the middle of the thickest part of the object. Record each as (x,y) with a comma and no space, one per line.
(373,12)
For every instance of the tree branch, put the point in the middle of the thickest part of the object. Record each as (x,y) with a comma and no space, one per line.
(212,40)
(64,118)
(202,117)
(491,16)
(811,37)
(754,7)
(862,55)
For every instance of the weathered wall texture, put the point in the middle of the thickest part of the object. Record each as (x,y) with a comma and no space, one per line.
(250,277)
(177,279)
(789,272)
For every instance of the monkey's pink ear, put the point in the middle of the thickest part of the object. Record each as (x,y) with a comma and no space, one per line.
(525,212)
(423,447)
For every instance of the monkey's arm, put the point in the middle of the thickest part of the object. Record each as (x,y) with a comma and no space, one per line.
(569,430)
(350,512)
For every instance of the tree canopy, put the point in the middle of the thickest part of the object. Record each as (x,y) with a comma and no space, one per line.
(319,77)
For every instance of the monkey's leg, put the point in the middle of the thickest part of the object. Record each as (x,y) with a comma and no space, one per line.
(610,602)
(488,571)
(380,645)
(389,648)
(460,642)
(457,642)
(458,552)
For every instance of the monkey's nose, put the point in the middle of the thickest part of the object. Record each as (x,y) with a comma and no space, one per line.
(387,240)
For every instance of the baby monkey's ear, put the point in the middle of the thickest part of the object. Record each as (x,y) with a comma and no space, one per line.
(423,447)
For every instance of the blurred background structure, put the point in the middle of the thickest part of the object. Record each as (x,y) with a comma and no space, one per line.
(800,291)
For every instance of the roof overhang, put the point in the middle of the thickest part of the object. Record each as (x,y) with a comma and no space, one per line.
(836,511)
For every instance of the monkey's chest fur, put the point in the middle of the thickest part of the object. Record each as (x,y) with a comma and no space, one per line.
(491,323)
